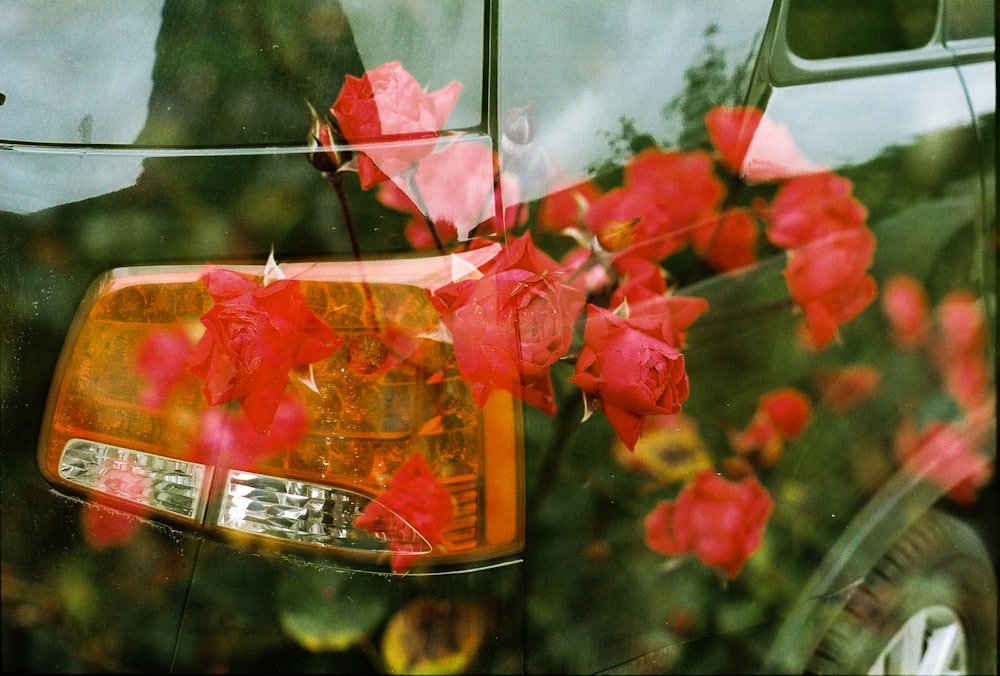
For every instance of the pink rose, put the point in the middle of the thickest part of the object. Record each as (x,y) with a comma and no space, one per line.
(453,189)
(719,521)
(455,186)
(163,360)
(753,146)
(947,454)
(585,271)
(420,232)
(512,324)
(632,369)
(230,438)
(389,102)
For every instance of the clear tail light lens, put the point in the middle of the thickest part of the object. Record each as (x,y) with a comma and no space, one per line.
(107,437)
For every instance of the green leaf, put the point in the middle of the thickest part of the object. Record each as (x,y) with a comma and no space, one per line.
(329,611)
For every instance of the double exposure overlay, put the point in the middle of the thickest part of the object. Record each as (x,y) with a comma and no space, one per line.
(459,337)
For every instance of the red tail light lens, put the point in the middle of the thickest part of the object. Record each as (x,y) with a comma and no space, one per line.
(128,424)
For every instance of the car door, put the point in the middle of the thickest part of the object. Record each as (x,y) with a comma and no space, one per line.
(929,99)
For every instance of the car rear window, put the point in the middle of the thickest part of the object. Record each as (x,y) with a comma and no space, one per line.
(222,73)
(825,29)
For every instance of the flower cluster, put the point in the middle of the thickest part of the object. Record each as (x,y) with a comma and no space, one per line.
(605,311)
(609,306)
(599,315)
(511,324)
(946,450)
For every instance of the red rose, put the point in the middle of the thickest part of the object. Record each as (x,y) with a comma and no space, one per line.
(905,304)
(845,388)
(632,369)
(967,379)
(781,415)
(665,193)
(640,278)
(667,316)
(104,528)
(255,335)
(564,206)
(787,409)
(961,325)
(684,180)
(727,242)
(412,514)
(388,101)
(719,521)
(512,324)
(828,281)
(959,349)
(634,223)
(811,207)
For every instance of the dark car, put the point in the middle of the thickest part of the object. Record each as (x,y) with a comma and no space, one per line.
(498,337)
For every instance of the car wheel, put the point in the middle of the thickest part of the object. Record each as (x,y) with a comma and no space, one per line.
(928,607)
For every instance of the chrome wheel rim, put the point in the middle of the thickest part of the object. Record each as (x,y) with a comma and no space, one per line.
(932,641)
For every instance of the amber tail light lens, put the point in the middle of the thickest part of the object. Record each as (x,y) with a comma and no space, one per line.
(106,439)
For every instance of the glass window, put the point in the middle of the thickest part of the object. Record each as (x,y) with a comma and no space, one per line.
(825,29)
(195,73)
(970,19)
(619,68)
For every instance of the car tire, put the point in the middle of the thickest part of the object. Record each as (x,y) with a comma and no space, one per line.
(928,606)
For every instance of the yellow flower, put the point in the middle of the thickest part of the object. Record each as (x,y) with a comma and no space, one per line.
(433,636)
(670,450)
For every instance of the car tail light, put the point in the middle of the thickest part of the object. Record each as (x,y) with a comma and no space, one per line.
(105,439)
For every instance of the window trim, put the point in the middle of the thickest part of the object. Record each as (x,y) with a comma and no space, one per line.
(787,68)
(972,50)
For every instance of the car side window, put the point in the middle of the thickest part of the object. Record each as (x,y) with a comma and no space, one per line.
(825,29)
(967,19)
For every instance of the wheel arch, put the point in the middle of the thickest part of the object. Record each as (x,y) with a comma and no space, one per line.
(869,536)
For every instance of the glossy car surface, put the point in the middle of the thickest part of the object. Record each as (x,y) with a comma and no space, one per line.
(153,139)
